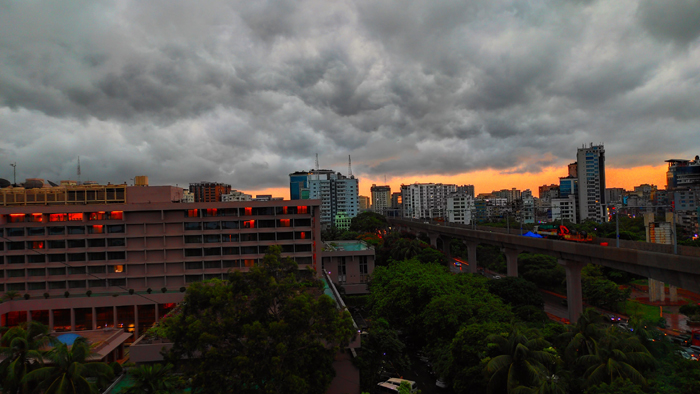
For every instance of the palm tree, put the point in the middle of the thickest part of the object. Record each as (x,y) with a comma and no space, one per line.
(522,363)
(618,355)
(22,348)
(69,371)
(582,338)
(150,379)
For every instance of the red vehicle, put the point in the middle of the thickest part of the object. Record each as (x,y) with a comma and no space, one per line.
(553,231)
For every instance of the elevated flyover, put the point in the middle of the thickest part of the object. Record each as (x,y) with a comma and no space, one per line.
(679,270)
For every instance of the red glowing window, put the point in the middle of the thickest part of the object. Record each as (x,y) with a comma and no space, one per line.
(37,245)
(58,217)
(285,222)
(73,217)
(97,215)
(248,211)
(16,218)
(249,224)
(116,215)
(192,213)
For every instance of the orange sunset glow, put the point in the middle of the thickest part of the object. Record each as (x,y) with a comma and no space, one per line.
(488,180)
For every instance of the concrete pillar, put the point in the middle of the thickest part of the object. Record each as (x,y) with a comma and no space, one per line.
(471,249)
(574,295)
(673,293)
(136,321)
(51,320)
(94,318)
(72,319)
(511,261)
(433,240)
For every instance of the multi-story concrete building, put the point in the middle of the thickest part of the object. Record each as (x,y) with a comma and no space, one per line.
(117,256)
(381,198)
(338,193)
(425,200)
(460,206)
(209,191)
(591,183)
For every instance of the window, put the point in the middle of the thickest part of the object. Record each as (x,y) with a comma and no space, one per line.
(97,269)
(76,243)
(97,283)
(116,268)
(112,242)
(57,271)
(58,217)
(97,256)
(96,229)
(116,255)
(35,231)
(96,243)
(193,239)
(193,226)
(76,270)
(57,230)
(76,256)
(76,230)
(193,252)
(115,228)
(193,265)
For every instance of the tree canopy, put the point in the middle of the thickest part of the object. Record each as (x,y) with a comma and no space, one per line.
(268,330)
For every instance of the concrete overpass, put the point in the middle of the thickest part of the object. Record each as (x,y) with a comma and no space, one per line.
(679,270)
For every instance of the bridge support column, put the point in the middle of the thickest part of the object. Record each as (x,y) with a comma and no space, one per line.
(511,261)
(574,295)
(471,249)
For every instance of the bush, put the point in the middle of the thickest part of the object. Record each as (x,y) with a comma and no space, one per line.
(27,296)
(164,289)
(66,294)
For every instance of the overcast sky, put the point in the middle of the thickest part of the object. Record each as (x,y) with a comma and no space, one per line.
(245,92)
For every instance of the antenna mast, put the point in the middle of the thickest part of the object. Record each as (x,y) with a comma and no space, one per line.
(349,166)
(79,171)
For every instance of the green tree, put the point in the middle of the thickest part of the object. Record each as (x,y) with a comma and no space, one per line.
(69,371)
(521,361)
(271,329)
(152,379)
(22,349)
(618,355)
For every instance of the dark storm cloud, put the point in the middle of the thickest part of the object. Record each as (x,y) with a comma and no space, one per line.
(247,92)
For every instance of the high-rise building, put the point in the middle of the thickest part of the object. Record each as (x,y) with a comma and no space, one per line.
(425,200)
(337,192)
(381,198)
(591,183)
(209,191)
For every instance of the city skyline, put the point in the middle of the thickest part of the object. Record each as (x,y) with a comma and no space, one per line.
(245,93)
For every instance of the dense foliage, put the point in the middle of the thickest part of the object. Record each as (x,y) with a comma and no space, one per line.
(270,330)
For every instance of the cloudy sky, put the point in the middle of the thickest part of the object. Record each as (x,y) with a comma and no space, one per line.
(498,93)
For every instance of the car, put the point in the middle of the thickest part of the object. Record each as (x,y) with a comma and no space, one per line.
(497,277)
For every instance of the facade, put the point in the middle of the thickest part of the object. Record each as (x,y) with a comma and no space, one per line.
(209,191)
(337,192)
(564,209)
(591,183)
(381,198)
(460,206)
(84,265)
(425,200)
(349,264)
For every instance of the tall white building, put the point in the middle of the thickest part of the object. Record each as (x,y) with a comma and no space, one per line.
(591,183)
(425,200)
(337,193)
(381,198)
(460,206)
